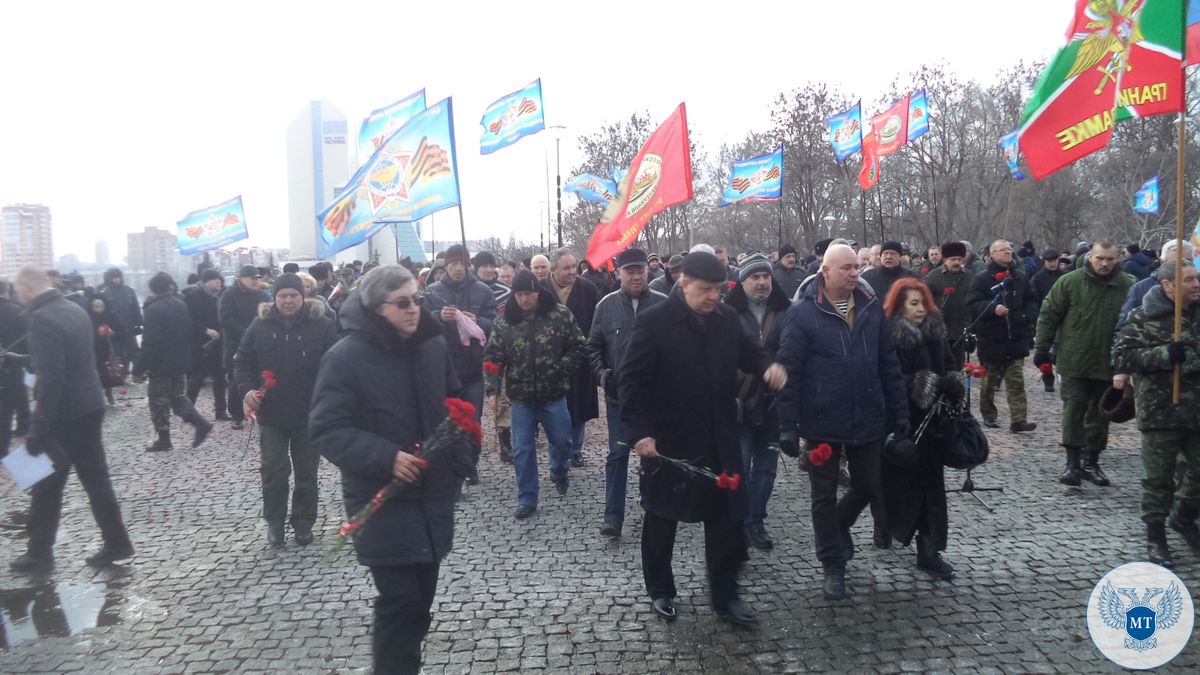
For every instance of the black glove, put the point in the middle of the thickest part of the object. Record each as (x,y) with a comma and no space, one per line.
(951,386)
(789,442)
(970,343)
(901,428)
(609,382)
(1176,352)
(1041,356)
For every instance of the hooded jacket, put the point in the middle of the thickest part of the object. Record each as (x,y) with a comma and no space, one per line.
(536,351)
(1141,349)
(122,300)
(1139,265)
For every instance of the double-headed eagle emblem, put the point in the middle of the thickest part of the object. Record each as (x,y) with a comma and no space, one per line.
(1138,619)
(1106,47)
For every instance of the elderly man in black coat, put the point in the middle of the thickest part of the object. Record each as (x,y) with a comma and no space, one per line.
(382,392)
(678,387)
(237,308)
(14,355)
(581,297)
(202,299)
(66,424)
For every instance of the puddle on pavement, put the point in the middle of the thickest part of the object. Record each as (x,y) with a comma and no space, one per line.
(61,610)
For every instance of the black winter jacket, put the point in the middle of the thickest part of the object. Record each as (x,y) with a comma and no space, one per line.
(612,328)
(1003,338)
(202,307)
(123,300)
(756,405)
(469,295)
(380,394)
(167,342)
(236,310)
(64,359)
(292,350)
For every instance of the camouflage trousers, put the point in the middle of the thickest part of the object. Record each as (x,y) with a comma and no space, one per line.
(1161,451)
(166,394)
(1012,375)
(1082,424)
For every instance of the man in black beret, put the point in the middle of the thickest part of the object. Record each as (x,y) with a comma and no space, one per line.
(881,278)
(677,387)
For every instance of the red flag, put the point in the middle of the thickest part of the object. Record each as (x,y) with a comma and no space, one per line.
(890,128)
(659,176)
(868,175)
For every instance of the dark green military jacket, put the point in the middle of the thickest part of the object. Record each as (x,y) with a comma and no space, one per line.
(1141,349)
(536,351)
(1079,315)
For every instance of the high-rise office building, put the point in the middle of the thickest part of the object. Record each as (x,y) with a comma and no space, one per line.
(154,250)
(25,238)
(318,155)
(102,252)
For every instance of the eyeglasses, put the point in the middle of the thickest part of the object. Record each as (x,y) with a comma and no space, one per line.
(403,303)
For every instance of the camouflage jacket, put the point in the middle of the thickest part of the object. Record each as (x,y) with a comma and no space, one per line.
(1141,349)
(536,351)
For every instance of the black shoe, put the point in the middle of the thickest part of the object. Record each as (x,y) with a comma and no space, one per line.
(524,511)
(991,423)
(847,543)
(757,537)
(275,536)
(1092,471)
(664,607)
(505,436)
(931,561)
(1018,427)
(473,477)
(1072,474)
(611,528)
(223,417)
(1156,544)
(203,429)
(31,563)
(109,555)
(506,455)
(577,461)
(1050,387)
(835,585)
(881,538)
(237,425)
(304,535)
(738,613)
(161,444)
(561,485)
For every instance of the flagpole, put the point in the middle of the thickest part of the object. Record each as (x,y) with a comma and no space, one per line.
(462,228)
(1179,196)
(1008,209)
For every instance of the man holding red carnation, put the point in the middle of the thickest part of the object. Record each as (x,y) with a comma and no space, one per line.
(1079,316)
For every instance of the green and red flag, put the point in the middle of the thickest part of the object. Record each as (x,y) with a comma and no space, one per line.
(659,176)
(1123,59)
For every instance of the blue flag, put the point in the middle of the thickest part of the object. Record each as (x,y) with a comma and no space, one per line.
(845,132)
(592,188)
(213,227)
(413,174)
(385,121)
(1145,200)
(618,175)
(758,179)
(918,116)
(511,118)
(1012,153)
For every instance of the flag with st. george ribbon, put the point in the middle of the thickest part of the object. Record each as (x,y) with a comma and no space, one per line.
(890,128)
(592,188)
(413,174)
(511,118)
(918,116)
(845,132)
(384,122)
(213,227)
(758,179)
(1145,200)
(1123,59)
(868,173)
(660,176)
(1011,148)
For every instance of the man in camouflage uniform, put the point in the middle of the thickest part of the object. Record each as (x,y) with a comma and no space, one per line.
(1145,347)
(534,348)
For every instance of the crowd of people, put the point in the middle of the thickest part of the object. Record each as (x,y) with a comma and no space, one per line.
(850,360)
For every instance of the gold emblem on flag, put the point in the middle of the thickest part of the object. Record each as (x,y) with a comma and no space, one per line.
(1110,35)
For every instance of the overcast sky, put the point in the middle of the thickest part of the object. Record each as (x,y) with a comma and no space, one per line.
(120,115)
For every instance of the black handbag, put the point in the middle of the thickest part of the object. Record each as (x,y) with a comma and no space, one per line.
(965,445)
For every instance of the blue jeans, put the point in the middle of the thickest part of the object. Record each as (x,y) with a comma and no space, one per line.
(759,462)
(556,422)
(577,440)
(616,467)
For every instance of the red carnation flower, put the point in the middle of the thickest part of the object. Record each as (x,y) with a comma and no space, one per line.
(730,284)
(1046,368)
(122,392)
(924,270)
(489,367)
(949,291)
(734,481)
(1001,276)
(269,380)
(820,454)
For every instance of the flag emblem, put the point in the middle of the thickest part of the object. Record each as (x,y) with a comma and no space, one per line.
(1106,47)
(516,111)
(644,186)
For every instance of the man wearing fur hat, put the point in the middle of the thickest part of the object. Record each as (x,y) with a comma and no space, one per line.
(949,283)
(286,340)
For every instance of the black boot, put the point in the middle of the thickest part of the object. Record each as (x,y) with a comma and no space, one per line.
(275,536)
(505,436)
(1072,474)
(835,582)
(162,443)
(882,539)
(1156,544)
(1091,469)
(1183,521)
(931,561)
(203,427)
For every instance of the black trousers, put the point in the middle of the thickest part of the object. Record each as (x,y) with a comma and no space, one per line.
(832,518)
(204,366)
(236,411)
(724,553)
(79,441)
(402,615)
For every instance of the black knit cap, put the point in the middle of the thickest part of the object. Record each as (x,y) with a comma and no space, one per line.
(457,252)
(786,249)
(483,258)
(209,274)
(822,246)
(288,280)
(704,266)
(892,246)
(525,281)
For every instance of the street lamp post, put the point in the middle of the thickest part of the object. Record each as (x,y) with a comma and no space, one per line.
(557,131)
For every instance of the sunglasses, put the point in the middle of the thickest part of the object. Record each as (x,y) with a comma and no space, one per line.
(403,303)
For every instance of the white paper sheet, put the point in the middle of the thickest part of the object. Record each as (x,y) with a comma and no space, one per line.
(27,469)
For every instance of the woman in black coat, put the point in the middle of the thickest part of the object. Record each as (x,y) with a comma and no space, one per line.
(108,330)
(380,391)
(915,496)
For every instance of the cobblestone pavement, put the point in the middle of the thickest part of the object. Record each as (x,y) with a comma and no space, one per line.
(205,594)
